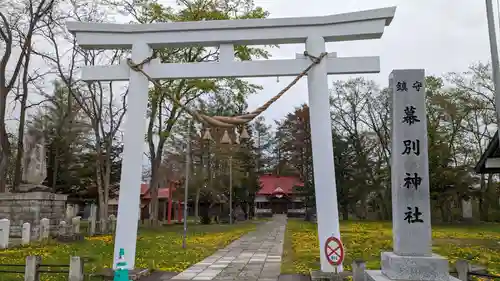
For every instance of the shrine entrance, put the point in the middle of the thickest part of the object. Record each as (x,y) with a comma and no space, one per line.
(279,205)
(315,63)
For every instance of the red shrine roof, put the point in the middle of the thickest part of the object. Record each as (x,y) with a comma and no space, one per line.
(273,184)
(163,192)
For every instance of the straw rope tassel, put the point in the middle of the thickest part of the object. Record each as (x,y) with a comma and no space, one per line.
(225,121)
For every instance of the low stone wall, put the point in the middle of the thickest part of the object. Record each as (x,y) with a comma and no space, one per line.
(31,207)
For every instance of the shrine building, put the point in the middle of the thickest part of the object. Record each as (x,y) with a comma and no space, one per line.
(278,195)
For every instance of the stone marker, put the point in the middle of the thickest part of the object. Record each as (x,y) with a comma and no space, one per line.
(358,270)
(410,167)
(34,162)
(112,223)
(26,233)
(75,269)
(467,209)
(31,268)
(75,223)
(92,219)
(44,229)
(412,258)
(4,233)
(70,212)
(63,228)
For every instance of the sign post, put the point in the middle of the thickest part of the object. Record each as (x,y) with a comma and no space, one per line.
(412,258)
(334,251)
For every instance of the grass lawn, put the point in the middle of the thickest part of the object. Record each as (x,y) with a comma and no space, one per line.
(365,240)
(159,248)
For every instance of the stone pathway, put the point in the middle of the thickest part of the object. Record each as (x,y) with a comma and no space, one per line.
(256,256)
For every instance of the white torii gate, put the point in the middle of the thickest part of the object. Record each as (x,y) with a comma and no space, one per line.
(313,31)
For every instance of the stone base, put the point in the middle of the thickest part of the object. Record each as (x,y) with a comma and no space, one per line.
(318,275)
(29,187)
(133,275)
(32,207)
(377,275)
(431,268)
(70,238)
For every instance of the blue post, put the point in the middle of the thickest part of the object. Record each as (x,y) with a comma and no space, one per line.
(121,272)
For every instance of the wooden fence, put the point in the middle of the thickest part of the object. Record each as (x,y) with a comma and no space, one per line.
(34,267)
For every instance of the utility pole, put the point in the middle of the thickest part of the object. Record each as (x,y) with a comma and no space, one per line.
(494,55)
(186,185)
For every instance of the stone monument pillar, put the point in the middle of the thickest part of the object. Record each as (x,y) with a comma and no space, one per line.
(412,258)
(34,163)
(467,209)
(32,201)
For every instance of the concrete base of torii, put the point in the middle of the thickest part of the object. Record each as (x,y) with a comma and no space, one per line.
(411,268)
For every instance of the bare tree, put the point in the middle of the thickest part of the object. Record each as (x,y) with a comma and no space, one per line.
(350,103)
(474,88)
(102,105)
(163,112)
(16,34)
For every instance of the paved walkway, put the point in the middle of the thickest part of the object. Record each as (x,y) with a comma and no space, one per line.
(256,256)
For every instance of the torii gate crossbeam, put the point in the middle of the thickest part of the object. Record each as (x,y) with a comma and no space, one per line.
(313,31)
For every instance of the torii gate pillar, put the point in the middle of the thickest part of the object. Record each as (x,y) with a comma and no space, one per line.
(321,141)
(314,31)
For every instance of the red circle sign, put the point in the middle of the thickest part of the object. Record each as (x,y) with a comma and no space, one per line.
(334,251)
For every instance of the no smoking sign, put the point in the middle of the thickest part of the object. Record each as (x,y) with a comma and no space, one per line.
(334,251)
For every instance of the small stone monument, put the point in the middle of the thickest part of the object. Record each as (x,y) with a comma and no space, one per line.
(69,232)
(32,200)
(4,233)
(112,223)
(63,228)
(467,209)
(75,224)
(412,258)
(26,235)
(70,212)
(93,219)
(34,163)
(44,229)
(239,213)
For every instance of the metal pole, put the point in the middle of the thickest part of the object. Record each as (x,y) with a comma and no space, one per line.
(188,160)
(494,54)
(230,189)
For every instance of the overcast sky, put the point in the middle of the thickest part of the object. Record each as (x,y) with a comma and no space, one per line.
(432,34)
(435,35)
(438,35)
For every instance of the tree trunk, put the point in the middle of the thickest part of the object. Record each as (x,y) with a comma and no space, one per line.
(345,212)
(99,181)
(102,203)
(483,201)
(385,204)
(153,189)
(20,144)
(55,168)
(107,178)
(4,159)
(4,138)
(197,205)
(484,207)
(492,194)
(22,121)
